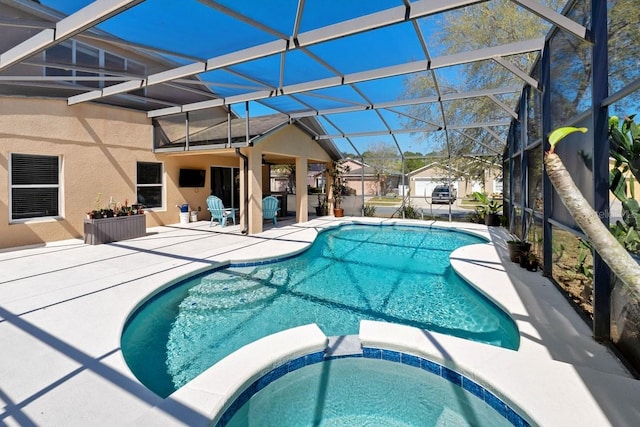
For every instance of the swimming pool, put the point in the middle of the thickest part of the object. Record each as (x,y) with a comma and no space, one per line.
(382,388)
(398,274)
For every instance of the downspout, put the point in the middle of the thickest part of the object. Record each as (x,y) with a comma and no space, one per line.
(245,170)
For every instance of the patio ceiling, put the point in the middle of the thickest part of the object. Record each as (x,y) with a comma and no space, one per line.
(346,63)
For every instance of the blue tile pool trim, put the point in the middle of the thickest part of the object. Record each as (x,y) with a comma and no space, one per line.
(265,380)
(454,377)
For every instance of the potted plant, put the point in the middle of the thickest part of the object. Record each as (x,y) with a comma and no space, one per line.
(529,260)
(338,186)
(114,222)
(523,259)
(520,245)
(532,261)
(518,248)
(321,209)
(488,208)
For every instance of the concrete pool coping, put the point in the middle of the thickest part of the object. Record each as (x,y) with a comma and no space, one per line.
(63,305)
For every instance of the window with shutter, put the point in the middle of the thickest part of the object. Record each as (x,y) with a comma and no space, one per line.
(35,186)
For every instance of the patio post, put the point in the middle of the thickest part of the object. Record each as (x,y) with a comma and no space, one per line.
(302,196)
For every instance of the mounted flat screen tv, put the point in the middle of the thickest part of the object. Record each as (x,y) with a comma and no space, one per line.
(191,177)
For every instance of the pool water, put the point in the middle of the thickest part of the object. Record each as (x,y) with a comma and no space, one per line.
(365,392)
(397,274)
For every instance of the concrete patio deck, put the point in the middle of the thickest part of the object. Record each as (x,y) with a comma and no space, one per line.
(63,306)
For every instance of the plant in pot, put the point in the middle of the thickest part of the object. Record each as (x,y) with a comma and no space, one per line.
(488,208)
(520,245)
(529,260)
(338,186)
(532,261)
(518,248)
(323,205)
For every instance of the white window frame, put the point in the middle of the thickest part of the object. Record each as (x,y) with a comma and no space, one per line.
(161,185)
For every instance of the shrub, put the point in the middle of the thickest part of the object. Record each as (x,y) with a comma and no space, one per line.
(369,210)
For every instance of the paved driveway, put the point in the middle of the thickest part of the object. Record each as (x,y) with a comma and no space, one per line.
(426,209)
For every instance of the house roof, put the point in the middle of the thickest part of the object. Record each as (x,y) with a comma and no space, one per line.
(217,135)
(429,166)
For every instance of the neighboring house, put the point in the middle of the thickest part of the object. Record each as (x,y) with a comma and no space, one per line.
(423,181)
(362,176)
(61,161)
(492,184)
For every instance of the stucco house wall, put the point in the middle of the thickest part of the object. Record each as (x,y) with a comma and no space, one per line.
(295,146)
(99,147)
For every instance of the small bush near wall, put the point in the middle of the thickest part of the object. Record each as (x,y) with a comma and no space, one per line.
(573,268)
(369,210)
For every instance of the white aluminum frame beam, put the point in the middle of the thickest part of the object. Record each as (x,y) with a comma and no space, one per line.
(419,9)
(487,53)
(504,106)
(479,125)
(87,17)
(475,140)
(23,78)
(555,18)
(407,102)
(377,133)
(391,71)
(494,134)
(435,128)
(519,73)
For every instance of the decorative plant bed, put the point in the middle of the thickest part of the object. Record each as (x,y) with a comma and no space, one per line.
(107,230)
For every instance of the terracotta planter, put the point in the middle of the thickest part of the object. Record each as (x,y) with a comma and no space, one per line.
(338,212)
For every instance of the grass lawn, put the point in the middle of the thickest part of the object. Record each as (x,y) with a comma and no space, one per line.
(384,201)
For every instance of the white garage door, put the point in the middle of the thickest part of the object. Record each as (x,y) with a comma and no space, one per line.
(424,186)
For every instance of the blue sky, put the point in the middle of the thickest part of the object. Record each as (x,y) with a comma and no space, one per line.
(186,26)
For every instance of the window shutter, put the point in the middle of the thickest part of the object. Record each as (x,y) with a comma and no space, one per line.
(34,186)
(29,169)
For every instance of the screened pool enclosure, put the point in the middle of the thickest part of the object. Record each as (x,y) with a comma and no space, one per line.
(465,81)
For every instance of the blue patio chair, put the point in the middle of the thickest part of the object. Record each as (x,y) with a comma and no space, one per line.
(219,212)
(270,208)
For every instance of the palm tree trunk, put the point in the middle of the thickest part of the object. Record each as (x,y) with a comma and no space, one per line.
(612,252)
